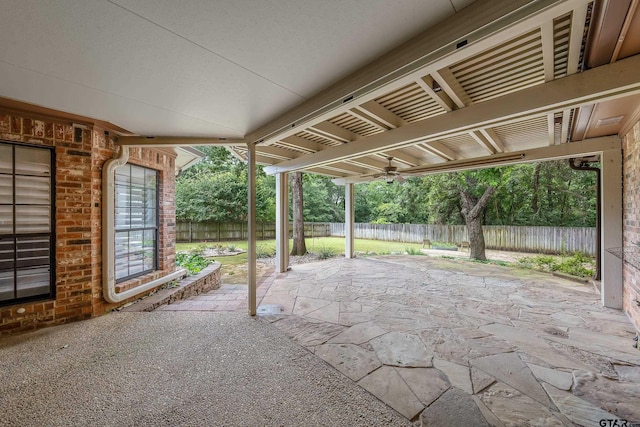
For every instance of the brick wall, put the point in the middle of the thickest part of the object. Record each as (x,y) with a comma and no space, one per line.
(631,221)
(78,213)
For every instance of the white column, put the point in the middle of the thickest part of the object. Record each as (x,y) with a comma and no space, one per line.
(251,229)
(349,215)
(282,222)
(611,174)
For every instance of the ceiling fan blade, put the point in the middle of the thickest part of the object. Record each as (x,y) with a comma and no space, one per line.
(399,178)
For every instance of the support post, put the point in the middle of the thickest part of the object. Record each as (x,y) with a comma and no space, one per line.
(282,222)
(349,214)
(611,233)
(251,229)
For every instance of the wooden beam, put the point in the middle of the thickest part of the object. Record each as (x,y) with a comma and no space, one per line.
(347,167)
(566,120)
(170,141)
(494,139)
(388,118)
(333,132)
(482,141)
(277,152)
(426,83)
(302,143)
(368,118)
(441,150)
(369,163)
(551,128)
(327,172)
(403,157)
(482,25)
(598,84)
(548,51)
(452,87)
(562,151)
(578,18)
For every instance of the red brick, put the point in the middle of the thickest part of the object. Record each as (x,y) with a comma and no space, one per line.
(79,220)
(631,217)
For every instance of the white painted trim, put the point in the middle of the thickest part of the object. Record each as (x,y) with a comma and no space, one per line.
(251,231)
(562,151)
(171,141)
(282,222)
(349,218)
(482,24)
(611,232)
(599,84)
(108,237)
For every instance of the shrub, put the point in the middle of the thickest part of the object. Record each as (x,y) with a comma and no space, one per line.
(578,264)
(325,252)
(231,248)
(412,251)
(263,251)
(193,262)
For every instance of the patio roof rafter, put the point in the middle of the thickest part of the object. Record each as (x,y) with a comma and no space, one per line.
(603,83)
(562,151)
(473,30)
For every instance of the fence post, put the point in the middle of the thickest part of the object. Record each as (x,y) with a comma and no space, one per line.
(190,232)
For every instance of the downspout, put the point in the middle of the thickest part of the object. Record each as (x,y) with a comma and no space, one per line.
(108,237)
(582,167)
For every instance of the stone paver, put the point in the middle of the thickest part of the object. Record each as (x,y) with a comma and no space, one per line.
(454,408)
(387,385)
(350,359)
(443,338)
(511,370)
(402,349)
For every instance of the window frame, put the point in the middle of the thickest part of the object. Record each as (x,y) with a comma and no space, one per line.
(51,294)
(156,228)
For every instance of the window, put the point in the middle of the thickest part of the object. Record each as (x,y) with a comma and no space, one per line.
(26,218)
(136,221)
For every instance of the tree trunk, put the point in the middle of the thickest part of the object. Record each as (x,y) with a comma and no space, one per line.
(299,246)
(536,187)
(473,213)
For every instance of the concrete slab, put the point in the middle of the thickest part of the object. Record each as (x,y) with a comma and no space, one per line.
(176,369)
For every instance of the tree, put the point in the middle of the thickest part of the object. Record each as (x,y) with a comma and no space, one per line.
(474,205)
(473,213)
(299,246)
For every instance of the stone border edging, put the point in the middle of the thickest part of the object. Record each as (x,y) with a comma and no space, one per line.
(208,279)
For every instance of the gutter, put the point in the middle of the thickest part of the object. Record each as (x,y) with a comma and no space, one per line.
(108,237)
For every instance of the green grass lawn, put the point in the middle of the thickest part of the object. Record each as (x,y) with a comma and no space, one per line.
(313,245)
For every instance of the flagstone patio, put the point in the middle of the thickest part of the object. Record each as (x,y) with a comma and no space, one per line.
(459,343)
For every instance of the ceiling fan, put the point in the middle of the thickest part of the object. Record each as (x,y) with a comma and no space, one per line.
(390,173)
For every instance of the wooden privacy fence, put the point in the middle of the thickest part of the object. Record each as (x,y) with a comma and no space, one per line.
(220,231)
(550,240)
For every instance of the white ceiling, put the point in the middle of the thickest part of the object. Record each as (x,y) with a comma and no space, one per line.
(199,67)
